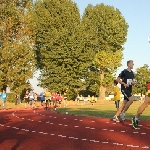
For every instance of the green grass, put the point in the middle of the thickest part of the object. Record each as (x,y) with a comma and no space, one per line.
(106,110)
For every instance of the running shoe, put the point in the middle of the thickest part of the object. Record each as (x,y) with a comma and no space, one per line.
(135,123)
(115,118)
(122,115)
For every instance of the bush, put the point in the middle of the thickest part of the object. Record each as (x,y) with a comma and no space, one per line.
(11,97)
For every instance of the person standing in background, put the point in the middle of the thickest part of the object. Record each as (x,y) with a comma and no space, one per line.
(116,94)
(3,99)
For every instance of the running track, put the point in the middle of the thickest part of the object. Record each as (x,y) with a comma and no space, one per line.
(46,130)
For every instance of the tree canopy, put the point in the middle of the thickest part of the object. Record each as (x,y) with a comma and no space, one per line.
(142,75)
(105,31)
(17,61)
(60,56)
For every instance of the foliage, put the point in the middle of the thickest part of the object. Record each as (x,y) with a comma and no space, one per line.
(17,61)
(105,31)
(142,75)
(60,56)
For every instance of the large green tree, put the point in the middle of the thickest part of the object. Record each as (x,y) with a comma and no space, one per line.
(17,63)
(105,31)
(142,75)
(60,56)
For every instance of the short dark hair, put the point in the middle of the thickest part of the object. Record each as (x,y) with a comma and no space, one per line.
(115,82)
(129,62)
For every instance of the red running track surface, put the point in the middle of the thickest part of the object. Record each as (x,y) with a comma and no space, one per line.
(46,130)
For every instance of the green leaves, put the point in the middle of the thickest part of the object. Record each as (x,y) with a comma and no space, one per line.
(17,61)
(142,75)
(105,31)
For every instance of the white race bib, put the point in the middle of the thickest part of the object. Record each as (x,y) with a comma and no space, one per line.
(129,81)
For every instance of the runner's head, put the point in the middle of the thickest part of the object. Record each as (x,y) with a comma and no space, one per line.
(130,64)
(115,82)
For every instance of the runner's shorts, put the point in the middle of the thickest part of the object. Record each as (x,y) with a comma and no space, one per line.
(126,94)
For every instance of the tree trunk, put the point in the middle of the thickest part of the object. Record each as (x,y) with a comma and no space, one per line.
(102,89)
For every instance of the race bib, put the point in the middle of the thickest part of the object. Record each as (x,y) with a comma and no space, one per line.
(129,81)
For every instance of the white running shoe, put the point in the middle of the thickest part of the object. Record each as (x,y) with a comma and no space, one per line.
(115,118)
(122,115)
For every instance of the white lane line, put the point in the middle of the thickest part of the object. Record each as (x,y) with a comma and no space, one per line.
(145,147)
(63,136)
(40,132)
(105,142)
(135,132)
(92,140)
(112,130)
(45,133)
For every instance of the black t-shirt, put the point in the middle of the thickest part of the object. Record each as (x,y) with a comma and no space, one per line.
(127,77)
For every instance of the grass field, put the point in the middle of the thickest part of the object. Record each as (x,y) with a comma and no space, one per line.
(106,110)
(103,110)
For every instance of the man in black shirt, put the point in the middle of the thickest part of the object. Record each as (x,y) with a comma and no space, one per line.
(125,78)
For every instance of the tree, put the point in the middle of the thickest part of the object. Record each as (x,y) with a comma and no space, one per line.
(17,61)
(105,31)
(142,75)
(59,52)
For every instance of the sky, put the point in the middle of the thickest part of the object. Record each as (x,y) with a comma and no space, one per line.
(137,47)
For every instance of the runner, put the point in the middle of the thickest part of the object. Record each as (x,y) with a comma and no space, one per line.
(35,99)
(60,100)
(42,98)
(17,97)
(31,99)
(4,98)
(141,108)
(26,98)
(116,95)
(127,77)
(47,95)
